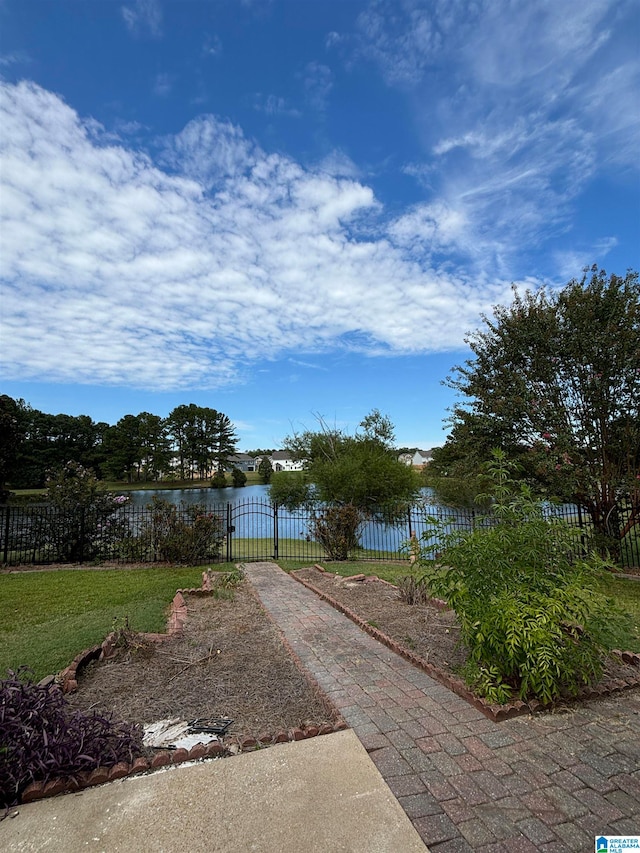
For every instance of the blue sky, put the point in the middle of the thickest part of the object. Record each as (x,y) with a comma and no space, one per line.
(285,207)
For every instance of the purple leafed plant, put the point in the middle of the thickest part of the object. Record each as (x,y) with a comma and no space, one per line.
(42,737)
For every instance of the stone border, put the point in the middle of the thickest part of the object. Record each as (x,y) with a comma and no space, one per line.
(497,713)
(68,678)
(165,758)
(67,681)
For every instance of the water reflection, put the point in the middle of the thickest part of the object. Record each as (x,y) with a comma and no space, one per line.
(210,497)
(252,516)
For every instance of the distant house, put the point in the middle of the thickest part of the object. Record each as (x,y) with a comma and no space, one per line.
(242,461)
(281,460)
(416,459)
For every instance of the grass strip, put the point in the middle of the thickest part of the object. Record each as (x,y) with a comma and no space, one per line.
(48,617)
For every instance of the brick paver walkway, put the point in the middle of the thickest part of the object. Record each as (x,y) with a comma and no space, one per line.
(546,783)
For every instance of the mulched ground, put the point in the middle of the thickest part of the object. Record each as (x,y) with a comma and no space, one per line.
(230,662)
(431,633)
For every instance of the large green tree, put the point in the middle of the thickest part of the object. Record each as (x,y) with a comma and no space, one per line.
(50,441)
(124,449)
(11,437)
(155,444)
(362,470)
(555,381)
(204,438)
(354,477)
(265,469)
(455,471)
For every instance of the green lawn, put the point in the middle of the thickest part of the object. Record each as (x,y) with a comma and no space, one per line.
(255,548)
(295,549)
(626,594)
(47,618)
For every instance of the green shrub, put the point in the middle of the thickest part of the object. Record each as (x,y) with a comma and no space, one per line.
(337,530)
(81,520)
(265,469)
(531,615)
(239,478)
(290,489)
(185,534)
(219,480)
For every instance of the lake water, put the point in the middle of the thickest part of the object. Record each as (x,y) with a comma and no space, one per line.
(252,517)
(200,496)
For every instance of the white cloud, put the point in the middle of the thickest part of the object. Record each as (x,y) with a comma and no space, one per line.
(210,150)
(403,39)
(212,46)
(273,105)
(142,17)
(162,84)
(16,57)
(308,364)
(436,227)
(117,271)
(318,82)
(571,263)
(339,163)
(538,98)
(332,39)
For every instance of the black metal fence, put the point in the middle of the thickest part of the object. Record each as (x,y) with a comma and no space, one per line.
(247,530)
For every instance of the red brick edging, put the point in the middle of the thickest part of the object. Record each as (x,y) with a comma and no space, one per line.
(497,713)
(40,790)
(67,681)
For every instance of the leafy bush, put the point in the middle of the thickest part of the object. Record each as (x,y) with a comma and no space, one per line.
(290,489)
(239,478)
(81,520)
(219,480)
(337,530)
(265,469)
(43,738)
(188,534)
(531,616)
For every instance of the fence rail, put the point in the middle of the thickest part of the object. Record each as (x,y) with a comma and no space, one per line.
(246,530)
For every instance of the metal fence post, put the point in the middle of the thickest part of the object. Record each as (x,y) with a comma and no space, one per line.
(229,533)
(82,525)
(275,532)
(5,556)
(583,537)
(34,545)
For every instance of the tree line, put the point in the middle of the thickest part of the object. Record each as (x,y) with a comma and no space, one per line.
(190,443)
(553,381)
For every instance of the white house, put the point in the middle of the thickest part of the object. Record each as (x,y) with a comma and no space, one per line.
(417,459)
(281,460)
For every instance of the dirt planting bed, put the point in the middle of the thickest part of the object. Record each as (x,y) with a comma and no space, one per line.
(428,634)
(230,661)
